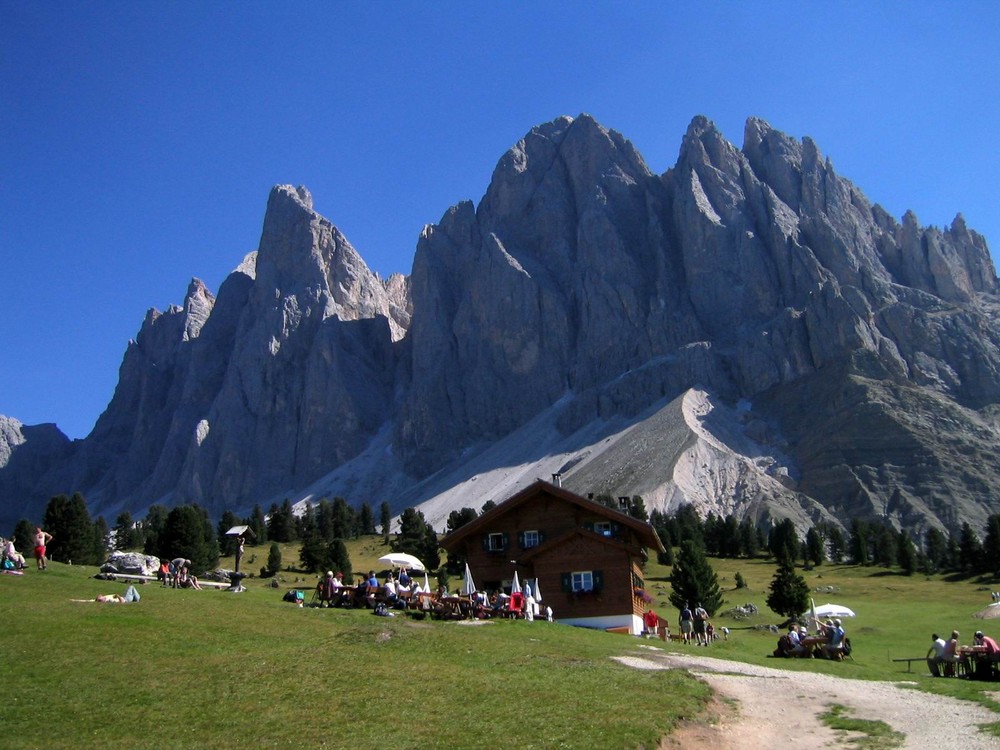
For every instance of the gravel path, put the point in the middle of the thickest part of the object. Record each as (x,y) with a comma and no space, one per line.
(778,708)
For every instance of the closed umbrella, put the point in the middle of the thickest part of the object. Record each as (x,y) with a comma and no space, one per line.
(468,585)
(515,586)
(427,583)
(538,592)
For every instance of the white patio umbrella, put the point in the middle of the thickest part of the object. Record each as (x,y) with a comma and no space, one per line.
(402,560)
(468,585)
(538,592)
(832,610)
(515,586)
(427,583)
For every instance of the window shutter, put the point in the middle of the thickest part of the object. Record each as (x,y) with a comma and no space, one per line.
(566,579)
(520,539)
(615,528)
(598,577)
(506,540)
(589,526)
(486,542)
(541,537)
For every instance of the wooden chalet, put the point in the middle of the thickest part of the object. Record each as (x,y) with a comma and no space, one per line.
(585,557)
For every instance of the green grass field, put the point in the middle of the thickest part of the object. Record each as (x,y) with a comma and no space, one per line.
(184,669)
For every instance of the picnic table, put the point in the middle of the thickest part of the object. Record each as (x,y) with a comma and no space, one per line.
(979,665)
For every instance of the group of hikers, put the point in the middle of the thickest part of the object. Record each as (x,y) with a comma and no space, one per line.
(176,574)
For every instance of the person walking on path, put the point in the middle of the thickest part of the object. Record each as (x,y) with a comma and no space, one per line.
(700,618)
(687,623)
(42,538)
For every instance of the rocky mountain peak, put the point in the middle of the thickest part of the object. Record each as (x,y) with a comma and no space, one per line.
(198,304)
(581,298)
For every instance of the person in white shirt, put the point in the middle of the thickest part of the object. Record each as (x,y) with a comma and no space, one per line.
(936,654)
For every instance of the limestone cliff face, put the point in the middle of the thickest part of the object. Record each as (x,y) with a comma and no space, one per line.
(582,291)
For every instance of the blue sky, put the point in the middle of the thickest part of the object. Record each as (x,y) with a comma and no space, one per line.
(139,140)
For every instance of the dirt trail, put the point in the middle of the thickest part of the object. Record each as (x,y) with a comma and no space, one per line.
(778,708)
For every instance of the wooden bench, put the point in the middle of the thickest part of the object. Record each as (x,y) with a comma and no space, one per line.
(909,661)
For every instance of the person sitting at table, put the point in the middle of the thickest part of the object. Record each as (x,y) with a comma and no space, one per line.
(992,647)
(404,578)
(935,654)
(329,589)
(952,655)
(390,590)
(834,647)
(797,649)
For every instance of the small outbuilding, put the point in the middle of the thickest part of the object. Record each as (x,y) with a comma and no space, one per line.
(585,557)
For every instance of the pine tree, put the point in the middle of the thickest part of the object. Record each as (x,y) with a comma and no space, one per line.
(281,522)
(789,592)
(273,559)
(103,541)
(783,542)
(814,551)
(258,524)
(338,559)
(152,529)
(884,545)
(748,538)
(227,543)
(73,540)
(385,518)
(366,521)
(458,518)
(188,533)
(970,551)
(692,579)
(126,532)
(416,537)
(24,536)
(730,539)
(835,539)
(343,519)
(859,542)
(906,554)
(991,545)
(637,508)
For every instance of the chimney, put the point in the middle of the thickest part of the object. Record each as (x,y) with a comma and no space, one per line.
(557,479)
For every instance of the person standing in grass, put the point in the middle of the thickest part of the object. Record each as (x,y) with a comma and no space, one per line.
(700,618)
(42,538)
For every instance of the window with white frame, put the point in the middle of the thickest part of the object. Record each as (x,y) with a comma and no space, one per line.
(583,580)
(603,528)
(530,539)
(495,543)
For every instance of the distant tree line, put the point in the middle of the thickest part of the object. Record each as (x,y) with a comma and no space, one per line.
(186,531)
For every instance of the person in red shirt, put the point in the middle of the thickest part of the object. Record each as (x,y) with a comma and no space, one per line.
(652,622)
(992,647)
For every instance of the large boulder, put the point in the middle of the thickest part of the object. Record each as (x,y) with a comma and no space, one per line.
(131,563)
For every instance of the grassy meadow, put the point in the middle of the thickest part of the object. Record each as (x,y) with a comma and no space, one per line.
(185,669)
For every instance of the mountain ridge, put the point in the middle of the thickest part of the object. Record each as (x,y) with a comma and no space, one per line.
(582,291)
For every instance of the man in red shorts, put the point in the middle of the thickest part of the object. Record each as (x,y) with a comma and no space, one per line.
(42,538)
